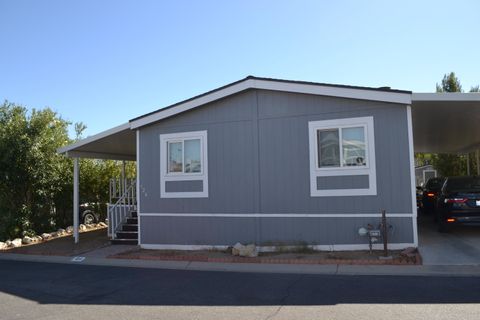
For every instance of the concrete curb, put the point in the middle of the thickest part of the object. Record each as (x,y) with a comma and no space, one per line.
(380,270)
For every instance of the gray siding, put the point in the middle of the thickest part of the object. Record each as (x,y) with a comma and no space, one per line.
(258,162)
(183,186)
(343,182)
(265,231)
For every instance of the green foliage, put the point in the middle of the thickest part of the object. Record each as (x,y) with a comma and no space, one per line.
(475,88)
(450,83)
(36,188)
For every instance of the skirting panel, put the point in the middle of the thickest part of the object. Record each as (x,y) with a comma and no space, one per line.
(266,231)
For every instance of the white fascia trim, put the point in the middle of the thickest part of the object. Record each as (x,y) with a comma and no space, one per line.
(332,247)
(278,215)
(98,136)
(368,124)
(203,176)
(352,93)
(393,97)
(99,155)
(445,96)
(413,190)
(138,186)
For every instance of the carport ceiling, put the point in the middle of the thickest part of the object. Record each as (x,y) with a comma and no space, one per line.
(446,122)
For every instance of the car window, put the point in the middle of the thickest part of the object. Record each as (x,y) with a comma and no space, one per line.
(465,184)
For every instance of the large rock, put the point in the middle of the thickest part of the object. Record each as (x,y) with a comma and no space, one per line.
(90,226)
(249,250)
(8,243)
(38,238)
(27,240)
(61,232)
(103,224)
(46,236)
(16,242)
(3,245)
(69,229)
(82,227)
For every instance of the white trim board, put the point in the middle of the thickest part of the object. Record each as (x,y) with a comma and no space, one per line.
(412,176)
(279,215)
(331,247)
(275,85)
(138,187)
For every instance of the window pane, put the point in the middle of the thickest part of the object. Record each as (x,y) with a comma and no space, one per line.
(175,157)
(353,146)
(192,156)
(328,148)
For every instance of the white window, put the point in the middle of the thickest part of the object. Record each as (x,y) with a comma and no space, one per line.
(183,158)
(342,147)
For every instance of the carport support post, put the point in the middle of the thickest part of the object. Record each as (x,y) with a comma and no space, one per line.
(75,199)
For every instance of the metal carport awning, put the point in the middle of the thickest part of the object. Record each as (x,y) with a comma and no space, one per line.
(118,143)
(446,122)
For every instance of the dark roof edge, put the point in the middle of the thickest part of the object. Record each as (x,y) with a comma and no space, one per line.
(250,77)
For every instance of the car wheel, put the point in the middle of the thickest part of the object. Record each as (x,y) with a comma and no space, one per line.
(89,218)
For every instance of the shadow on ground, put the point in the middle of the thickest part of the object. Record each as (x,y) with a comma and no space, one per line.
(94,285)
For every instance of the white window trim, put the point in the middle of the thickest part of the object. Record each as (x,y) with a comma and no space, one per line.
(180,176)
(369,169)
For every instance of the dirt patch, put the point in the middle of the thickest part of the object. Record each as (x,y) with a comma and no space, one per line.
(65,246)
(317,257)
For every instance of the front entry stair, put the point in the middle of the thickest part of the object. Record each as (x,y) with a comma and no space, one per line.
(128,231)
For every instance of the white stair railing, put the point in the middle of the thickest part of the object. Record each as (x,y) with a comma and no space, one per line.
(118,212)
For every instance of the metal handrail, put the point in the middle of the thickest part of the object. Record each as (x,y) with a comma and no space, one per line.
(122,208)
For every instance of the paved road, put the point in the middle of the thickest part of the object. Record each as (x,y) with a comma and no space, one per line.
(57,291)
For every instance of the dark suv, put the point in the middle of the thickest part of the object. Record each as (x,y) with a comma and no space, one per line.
(430,193)
(458,203)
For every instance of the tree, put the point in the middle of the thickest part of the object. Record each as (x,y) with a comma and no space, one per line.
(475,88)
(450,83)
(35,181)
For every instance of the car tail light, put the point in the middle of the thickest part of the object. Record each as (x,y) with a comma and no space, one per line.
(450,220)
(456,200)
(430,194)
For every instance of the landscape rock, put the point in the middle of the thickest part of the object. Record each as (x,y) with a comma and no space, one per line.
(61,232)
(82,227)
(241,250)
(38,238)
(46,236)
(17,242)
(27,240)
(69,229)
(3,245)
(8,243)
(103,224)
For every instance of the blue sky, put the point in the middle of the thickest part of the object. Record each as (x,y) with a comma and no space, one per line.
(105,62)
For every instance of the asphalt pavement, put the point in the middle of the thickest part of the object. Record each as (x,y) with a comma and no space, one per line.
(35,290)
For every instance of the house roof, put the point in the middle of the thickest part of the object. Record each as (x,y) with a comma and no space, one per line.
(442,122)
(353,92)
